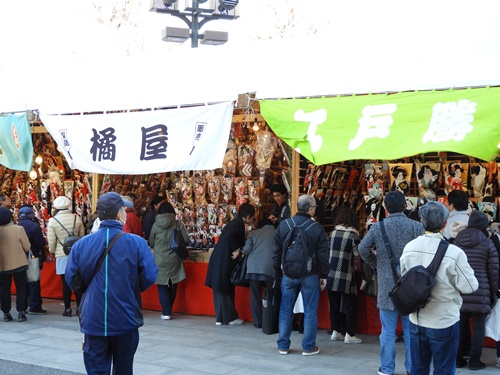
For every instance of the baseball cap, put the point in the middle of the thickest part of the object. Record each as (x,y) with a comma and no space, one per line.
(26,210)
(111,201)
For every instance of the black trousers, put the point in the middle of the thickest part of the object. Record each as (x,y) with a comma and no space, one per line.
(342,312)
(225,311)
(473,342)
(5,297)
(256,292)
(67,295)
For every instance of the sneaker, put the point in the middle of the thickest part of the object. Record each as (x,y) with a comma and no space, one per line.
(218,323)
(498,362)
(337,336)
(21,317)
(165,317)
(311,352)
(37,312)
(352,339)
(283,352)
(7,317)
(380,372)
(476,365)
(236,322)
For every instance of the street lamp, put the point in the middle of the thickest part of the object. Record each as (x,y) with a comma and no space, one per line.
(196,17)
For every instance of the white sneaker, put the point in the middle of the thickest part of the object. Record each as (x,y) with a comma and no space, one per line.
(236,322)
(165,317)
(352,339)
(498,362)
(218,323)
(337,336)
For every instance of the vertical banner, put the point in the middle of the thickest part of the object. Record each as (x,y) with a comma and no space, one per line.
(16,147)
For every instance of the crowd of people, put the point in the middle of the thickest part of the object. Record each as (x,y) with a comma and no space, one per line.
(467,281)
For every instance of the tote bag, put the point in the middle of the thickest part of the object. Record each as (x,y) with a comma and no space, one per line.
(33,271)
(492,325)
(177,243)
(239,273)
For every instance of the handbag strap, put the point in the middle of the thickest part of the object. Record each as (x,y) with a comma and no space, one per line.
(110,245)
(436,261)
(389,250)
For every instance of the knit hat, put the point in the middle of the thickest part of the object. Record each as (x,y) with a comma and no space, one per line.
(456,227)
(61,203)
(478,220)
(5,216)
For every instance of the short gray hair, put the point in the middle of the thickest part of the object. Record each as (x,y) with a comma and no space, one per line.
(305,202)
(433,216)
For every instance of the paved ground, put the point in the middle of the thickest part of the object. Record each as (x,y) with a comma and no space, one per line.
(188,345)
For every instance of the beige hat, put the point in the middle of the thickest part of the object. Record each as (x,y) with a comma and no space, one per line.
(126,198)
(61,203)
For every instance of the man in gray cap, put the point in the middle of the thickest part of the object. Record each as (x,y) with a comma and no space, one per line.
(111,313)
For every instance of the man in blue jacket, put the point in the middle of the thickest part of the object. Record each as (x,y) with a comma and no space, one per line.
(37,241)
(111,309)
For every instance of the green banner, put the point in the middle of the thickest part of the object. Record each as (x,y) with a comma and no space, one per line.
(389,126)
(16,147)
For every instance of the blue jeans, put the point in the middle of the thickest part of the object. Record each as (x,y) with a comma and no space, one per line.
(167,294)
(309,286)
(389,320)
(437,345)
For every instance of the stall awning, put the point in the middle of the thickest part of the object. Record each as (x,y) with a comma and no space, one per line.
(389,126)
(144,142)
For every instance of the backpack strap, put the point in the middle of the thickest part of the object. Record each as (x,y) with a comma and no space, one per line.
(389,251)
(74,224)
(436,261)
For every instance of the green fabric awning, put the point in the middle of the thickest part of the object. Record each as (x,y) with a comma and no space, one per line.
(389,126)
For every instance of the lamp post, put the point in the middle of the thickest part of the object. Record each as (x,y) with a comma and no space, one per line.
(196,17)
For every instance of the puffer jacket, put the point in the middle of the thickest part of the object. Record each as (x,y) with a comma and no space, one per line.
(56,234)
(170,267)
(483,258)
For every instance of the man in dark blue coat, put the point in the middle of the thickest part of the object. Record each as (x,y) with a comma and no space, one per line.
(111,309)
(310,284)
(37,241)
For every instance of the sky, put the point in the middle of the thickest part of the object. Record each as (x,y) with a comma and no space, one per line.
(356,45)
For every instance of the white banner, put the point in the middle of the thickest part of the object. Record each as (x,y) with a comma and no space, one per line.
(192,138)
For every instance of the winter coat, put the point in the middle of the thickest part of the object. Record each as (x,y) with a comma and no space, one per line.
(317,240)
(112,304)
(170,267)
(400,230)
(281,212)
(148,221)
(343,247)
(14,244)
(133,223)
(259,250)
(34,233)
(221,265)
(56,233)
(483,258)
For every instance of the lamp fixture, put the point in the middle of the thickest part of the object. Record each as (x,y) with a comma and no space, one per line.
(214,38)
(196,16)
(38,159)
(175,34)
(33,174)
(255,126)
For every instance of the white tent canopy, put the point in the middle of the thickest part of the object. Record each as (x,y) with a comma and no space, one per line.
(377,49)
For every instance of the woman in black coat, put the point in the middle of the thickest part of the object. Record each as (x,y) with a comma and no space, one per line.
(222,261)
(483,258)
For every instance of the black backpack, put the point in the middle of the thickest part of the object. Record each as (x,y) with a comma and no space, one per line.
(413,289)
(296,258)
(70,239)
